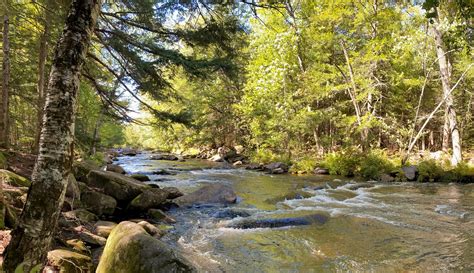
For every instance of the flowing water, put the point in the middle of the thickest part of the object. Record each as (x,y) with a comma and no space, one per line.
(372,227)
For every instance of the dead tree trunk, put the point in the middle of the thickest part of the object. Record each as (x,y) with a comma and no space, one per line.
(32,237)
(450,118)
(4,114)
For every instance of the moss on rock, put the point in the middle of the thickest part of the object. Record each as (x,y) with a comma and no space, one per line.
(130,249)
(13,179)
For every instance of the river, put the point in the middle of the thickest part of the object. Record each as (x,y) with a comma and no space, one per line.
(372,227)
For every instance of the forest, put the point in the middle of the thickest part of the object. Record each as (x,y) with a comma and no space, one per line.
(376,90)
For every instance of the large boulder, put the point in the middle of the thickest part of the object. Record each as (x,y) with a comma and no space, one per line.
(150,198)
(130,249)
(119,186)
(115,168)
(98,203)
(13,179)
(69,261)
(81,169)
(210,194)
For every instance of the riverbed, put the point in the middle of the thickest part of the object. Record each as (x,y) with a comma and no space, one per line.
(371,226)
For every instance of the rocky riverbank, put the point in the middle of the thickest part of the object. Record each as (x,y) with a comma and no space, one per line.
(109,219)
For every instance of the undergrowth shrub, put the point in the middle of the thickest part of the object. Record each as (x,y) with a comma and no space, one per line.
(305,164)
(462,173)
(344,162)
(266,156)
(374,164)
(429,171)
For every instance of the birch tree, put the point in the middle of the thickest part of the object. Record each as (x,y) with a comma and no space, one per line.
(32,237)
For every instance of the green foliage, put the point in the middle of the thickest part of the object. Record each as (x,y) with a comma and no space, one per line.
(462,173)
(374,164)
(267,156)
(305,165)
(429,171)
(98,158)
(345,162)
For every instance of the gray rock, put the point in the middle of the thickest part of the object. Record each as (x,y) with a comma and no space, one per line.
(319,170)
(410,172)
(81,169)
(98,203)
(140,177)
(115,168)
(172,192)
(80,214)
(132,250)
(160,215)
(385,178)
(210,194)
(276,168)
(280,222)
(103,228)
(150,198)
(121,187)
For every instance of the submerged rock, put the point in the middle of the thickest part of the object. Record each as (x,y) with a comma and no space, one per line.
(160,215)
(140,177)
(210,194)
(163,172)
(131,249)
(230,213)
(280,222)
(169,157)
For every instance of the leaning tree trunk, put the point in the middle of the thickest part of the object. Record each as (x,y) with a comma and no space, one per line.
(4,115)
(450,119)
(31,239)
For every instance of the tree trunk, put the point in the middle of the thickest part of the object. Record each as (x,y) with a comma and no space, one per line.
(41,84)
(32,237)
(96,134)
(352,93)
(4,115)
(450,120)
